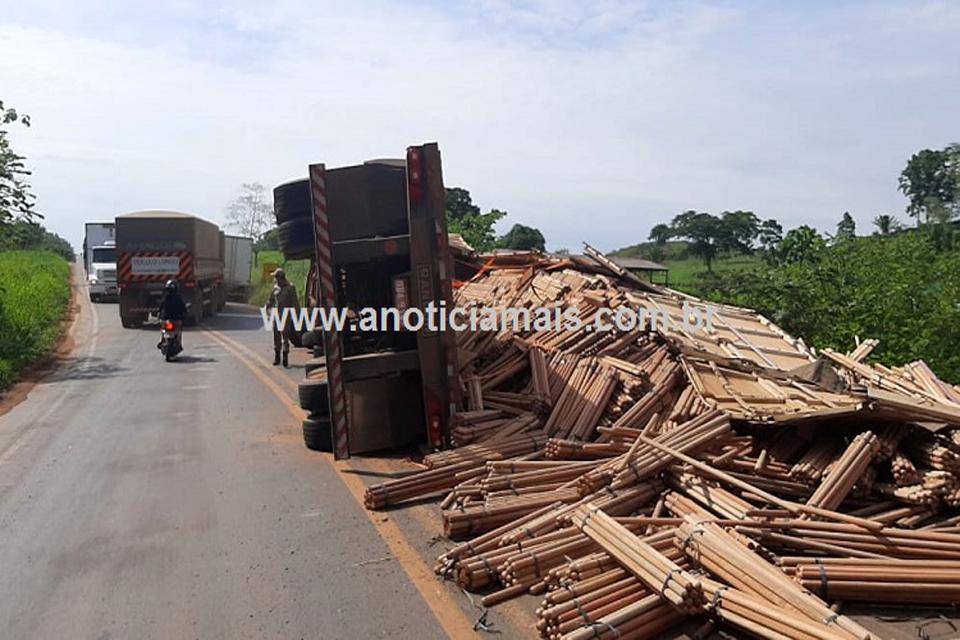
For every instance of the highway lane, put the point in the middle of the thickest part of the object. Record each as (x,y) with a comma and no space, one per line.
(153,500)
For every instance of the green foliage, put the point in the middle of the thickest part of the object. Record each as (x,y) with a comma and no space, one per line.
(704,232)
(16,200)
(801,245)
(269,241)
(886,224)
(769,235)
(296,271)
(522,238)
(34,294)
(738,230)
(660,234)
(464,217)
(931,179)
(24,234)
(900,289)
(846,228)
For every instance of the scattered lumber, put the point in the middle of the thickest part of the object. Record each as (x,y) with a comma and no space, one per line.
(637,479)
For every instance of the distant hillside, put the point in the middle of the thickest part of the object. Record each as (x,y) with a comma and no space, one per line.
(672,250)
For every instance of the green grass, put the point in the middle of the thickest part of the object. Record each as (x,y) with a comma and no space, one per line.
(34,294)
(261,288)
(685,272)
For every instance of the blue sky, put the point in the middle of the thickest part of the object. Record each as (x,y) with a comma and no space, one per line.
(593,121)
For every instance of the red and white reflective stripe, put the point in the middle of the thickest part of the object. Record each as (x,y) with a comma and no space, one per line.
(328,300)
(125,267)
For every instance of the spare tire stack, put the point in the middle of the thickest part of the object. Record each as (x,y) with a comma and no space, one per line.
(291,206)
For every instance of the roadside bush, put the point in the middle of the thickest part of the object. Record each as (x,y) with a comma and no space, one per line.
(296,272)
(34,294)
(899,289)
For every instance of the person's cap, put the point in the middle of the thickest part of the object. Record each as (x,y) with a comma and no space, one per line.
(279,273)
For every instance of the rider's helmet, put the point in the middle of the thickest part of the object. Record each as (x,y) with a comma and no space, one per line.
(171,286)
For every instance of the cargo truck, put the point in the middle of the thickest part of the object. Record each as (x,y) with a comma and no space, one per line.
(100,260)
(377,238)
(238,261)
(156,246)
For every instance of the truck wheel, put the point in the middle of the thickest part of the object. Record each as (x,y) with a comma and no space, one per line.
(313,364)
(313,396)
(129,322)
(317,434)
(94,297)
(291,200)
(296,238)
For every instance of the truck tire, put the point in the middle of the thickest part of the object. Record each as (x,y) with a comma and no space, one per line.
(296,238)
(291,200)
(314,363)
(317,434)
(313,396)
(94,297)
(131,322)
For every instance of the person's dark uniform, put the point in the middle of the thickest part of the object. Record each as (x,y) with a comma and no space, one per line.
(173,308)
(283,296)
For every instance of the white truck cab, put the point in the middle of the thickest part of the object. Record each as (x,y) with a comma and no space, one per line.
(102,272)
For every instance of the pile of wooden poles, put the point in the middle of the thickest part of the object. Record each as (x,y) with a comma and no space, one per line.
(587,470)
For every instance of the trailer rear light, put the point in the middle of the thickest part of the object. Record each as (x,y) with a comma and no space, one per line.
(434,424)
(415,175)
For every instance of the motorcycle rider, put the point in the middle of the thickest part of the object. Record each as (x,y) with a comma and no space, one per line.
(172,308)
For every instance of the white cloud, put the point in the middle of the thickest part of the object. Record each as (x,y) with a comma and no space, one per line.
(591,121)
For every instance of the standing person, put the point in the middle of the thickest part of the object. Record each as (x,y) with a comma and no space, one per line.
(284,296)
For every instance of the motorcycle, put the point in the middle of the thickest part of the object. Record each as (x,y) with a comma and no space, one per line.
(170,344)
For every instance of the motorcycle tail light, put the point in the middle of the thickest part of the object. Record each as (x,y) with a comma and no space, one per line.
(168,326)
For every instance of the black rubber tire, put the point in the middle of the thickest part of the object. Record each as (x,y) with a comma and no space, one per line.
(296,238)
(131,322)
(94,297)
(317,434)
(291,200)
(313,396)
(313,364)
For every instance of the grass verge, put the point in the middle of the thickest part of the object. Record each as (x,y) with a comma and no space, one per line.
(34,296)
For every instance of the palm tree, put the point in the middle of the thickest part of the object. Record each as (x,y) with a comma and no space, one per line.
(886,224)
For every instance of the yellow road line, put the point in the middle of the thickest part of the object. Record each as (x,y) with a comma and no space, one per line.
(445,609)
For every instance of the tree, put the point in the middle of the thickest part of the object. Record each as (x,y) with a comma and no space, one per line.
(929,180)
(459,204)
(738,231)
(703,231)
(16,199)
(846,228)
(269,241)
(661,233)
(522,238)
(801,245)
(886,224)
(250,213)
(769,235)
(27,234)
(464,217)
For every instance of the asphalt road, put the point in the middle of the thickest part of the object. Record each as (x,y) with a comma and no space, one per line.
(144,499)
